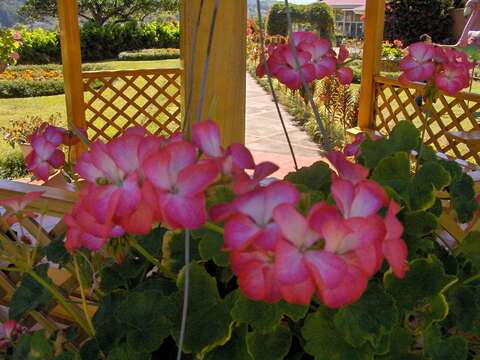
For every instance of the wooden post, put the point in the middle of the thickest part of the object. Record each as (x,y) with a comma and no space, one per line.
(226,80)
(72,63)
(372,50)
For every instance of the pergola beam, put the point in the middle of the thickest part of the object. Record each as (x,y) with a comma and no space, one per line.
(372,51)
(226,81)
(72,63)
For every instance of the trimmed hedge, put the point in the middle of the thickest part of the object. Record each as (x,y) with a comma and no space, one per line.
(37,85)
(99,43)
(319,16)
(12,165)
(150,54)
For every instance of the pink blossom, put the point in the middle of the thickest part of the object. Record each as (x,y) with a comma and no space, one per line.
(9,331)
(15,206)
(354,149)
(16,36)
(325,64)
(300,38)
(44,151)
(394,248)
(418,64)
(15,56)
(347,169)
(206,136)
(91,221)
(282,64)
(253,218)
(452,78)
(179,183)
(344,74)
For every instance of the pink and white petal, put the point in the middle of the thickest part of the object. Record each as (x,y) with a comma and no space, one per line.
(242,157)
(396,252)
(346,169)
(291,223)
(92,242)
(290,78)
(182,154)
(182,212)
(252,281)
(87,169)
(300,294)
(326,268)
(369,198)
(140,221)
(264,169)
(421,52)
(277,193)
(221,212)
(326,220)
(253,204)
(240,232)
(290,267)
(41,170)
(345,75)
(196,178)
(206,136)
(157,170)
(342,54)
(102,160)
(343,193)
(309,72)
(349,290)
(267,238)
(57,159)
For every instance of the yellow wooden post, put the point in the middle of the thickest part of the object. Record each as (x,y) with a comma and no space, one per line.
(72,63)
(374,19)
(226,81)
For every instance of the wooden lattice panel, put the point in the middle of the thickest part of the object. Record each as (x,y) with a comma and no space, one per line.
(395,102)
(117,100)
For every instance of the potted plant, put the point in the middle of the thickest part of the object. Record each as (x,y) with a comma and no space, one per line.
(392,53)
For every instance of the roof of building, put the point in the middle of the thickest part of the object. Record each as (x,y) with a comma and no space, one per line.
(345,4)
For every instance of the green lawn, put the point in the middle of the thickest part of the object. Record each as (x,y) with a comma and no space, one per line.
(16,109)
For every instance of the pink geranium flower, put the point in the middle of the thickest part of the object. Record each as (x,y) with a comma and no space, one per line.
(16,207)
(45,152)
(322,58)
(9,331)
(253,218)
(354,149)
(283,65)
(394,248)
(347,169)
(91,221)
(418,65)
(452,78)
(344,74)
(179,183)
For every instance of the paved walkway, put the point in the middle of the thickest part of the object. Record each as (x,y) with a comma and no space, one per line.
(264,133)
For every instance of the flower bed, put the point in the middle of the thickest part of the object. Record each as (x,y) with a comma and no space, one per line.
(150,54)
(35,80)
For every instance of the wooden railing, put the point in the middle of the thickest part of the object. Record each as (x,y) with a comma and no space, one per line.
(118,99)
(395,102)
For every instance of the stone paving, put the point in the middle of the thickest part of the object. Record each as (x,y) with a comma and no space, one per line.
(264,133)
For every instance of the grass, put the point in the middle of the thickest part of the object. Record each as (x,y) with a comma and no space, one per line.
(19,108)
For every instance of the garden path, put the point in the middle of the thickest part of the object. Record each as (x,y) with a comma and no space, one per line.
(264,133)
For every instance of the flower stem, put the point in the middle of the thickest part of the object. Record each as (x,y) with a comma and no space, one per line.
(62,301)
(144,252)
(472,279)
(82,293)
(214,227)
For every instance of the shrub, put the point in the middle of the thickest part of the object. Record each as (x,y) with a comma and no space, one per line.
(12,165)
(99,43)
(18,131)
(36,80)
(150,54)
(408,19)
(318,15)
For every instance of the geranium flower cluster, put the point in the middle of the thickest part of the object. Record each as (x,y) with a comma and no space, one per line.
(316,58)
(138,180)
(446,68)
(9,332)
(279,253)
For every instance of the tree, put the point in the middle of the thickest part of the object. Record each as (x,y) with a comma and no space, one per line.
(408,19)
(100,12)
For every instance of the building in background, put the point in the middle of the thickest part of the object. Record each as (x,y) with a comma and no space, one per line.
(348,17)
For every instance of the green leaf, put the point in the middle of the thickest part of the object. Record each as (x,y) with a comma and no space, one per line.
(420,195)
(274,345)
(439,348)
(56,252)
(145,315)
(405,137)
(373,316)
(393,171)
(265,317)
(374,151)
(174,250)
(433,173)
(470,248)
(316,177)
(33,347)
(210,247)
(122,275)
(206,311)
(464,307)
(235,349)
(153,241)
(419,223)
(401,342)
(127,352)
(425,279)
(30,295)
(219,194)
(109,332)
(325,342)
(463,197)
